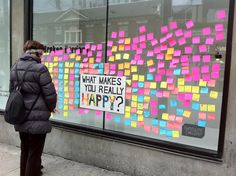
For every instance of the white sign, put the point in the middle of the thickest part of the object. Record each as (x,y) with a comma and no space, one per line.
(100,92)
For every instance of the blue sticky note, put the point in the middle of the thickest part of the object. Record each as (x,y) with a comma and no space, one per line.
(202,123)
(134,116)
(76,83)
(173,103)
(100,71)
(60,89)
(60,99)
(117,119)
(162,106)
(60,94)
(61,64)
(154,122)
(179,111)
(101,65)
(146,114)
(162,131)
(162,123)
(153,92)
(76,70)
(60,105)
(60,76)
(134,90)
(76,101)
(127,122)
(169,133)
(95,65)
(204,90)
(60,70)
(77,76)
(141,84)
(76,89)
(177,71)
(76,95)
(77,65)
(195,106)
(140,98)
(149,77)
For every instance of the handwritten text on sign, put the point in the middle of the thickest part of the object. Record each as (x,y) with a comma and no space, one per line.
(105,93)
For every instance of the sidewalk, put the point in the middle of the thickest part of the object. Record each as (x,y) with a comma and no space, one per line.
(53,166)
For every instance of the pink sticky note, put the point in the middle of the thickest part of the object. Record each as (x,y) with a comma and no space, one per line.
(114,35)
(150,53)
(181,96)
(68,50)
(209,41)
(179,119)
(173,25)
(109,53)
(215,75)
(150,36)
(215,67)
(155,129)
(147,128)
(169,35)
(154,42)
(202,48)
(140,62)
(159,94)
(163,47)
(93,47)
(135,40)
(219,36)
(206,31)
(142,29)
(122,34)
(77,52)
(186,104)
(98,113)
(108,116)
(109,43)
(220,14)
(202,115)
(211,83)
(166,94)
(177,52)
(163,39)
(142,45)
(169,72)
(184,58)
(153,103)
(188,78)
(120,73)
(164,29)
(157,49)
(181,41)
(188,34)
(185,71)
(99,46)
(161,65)
(188,50)
(206,77)
(158,77)
(98,59)
(196,40)
(127,47)
(170,80)
(87,46)
(211,116)
(172,42)
(122,40)
(99,54)
(206,58)
(219,27)
(161,71)
(154,111)
(179,32)
(65,57)
(90,53)
(140,91)
(160,56)
(196,58)
(189,24)
(205,69)
(142,38)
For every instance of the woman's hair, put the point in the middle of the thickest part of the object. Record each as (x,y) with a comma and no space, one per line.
(33,45)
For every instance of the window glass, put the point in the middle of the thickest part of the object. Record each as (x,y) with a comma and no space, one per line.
(74,36)
(172,53)
(4,52)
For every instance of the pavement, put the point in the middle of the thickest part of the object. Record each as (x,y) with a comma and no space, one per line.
(53,165)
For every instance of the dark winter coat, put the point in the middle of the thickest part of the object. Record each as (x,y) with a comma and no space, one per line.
(37,81)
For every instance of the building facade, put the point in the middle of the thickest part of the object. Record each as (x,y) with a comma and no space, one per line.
(144,87)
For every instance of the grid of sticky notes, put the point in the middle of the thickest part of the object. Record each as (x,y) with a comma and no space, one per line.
(168,78)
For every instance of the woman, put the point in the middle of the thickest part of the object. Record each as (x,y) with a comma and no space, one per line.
(39,91)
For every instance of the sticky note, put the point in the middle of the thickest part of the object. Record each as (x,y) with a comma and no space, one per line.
(203,107)
(211,116)
(219,27)
(165,116)
(164,29)
(175,134)
(133,124)
(196,97)
(188,34)
(211,108)
(173,25)
(154,122)
(180,81)
(220,14)
(163,84)
(173,103)
(170,51)
(196,40)
(189,24)
(206,31)
(202,123)
(162,123)
(113,34)
(219,36)
(195,106)
(202,115)
(213,94)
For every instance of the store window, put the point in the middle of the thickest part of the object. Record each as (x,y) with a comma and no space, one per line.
(155,70)
(4,51)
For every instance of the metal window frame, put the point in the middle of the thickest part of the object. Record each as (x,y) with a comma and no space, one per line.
(165,146)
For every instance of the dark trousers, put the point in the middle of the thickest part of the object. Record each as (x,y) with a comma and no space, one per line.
(31,152)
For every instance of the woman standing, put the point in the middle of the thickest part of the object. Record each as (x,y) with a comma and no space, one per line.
(39,91)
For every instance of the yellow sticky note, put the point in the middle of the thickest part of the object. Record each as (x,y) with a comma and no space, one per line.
(65,113)
(55,59)
(165,116)
(147,99)
(72,64)
(214,94)
(126,56)
(196,97)
(127,73)
(211,108)
(134,69)
(150,63)
(135,77)
(195,89)
(121,66)
(127,108)
(187,113)
(175,133)
(66,89)
(66,76)
(163,84)
(65,83)
(139,112)
(127,41)
(153,85)
(203,107)
(180,88)
(127,65)
(202,83)
(66,101)
(114,48)
(168,57)
(66,107)
(67,64)
(121,47)
(180,81)
(72,55)
(140,106)
(140,118)
(133,104)
(128,82)
(66,94)
(170,51)
(78,58)
(111,58)
(50,70)
(118,56)
(134,98)
(91,60)
(51,64)
(66,70)
(127,115)
(133,124)
(188,89)
(46,64)
(55,64)
(141,78)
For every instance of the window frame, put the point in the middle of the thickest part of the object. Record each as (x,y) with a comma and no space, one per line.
(165,146)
